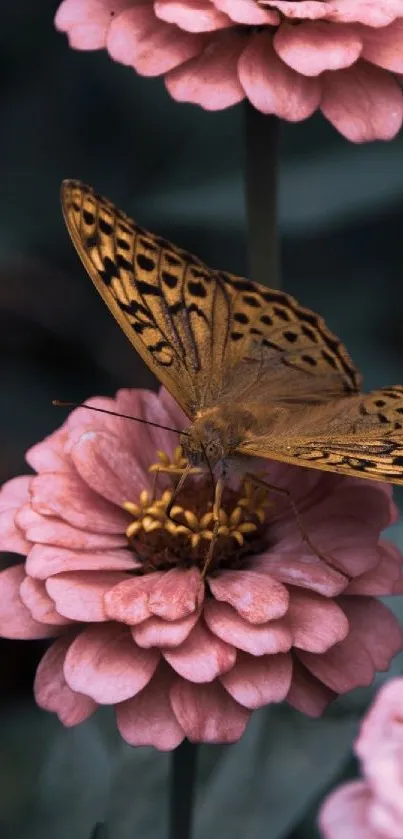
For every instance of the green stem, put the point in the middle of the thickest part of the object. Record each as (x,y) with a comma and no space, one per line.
(182,790)
(261,165)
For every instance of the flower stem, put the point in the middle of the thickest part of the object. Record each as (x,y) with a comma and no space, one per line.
(261,165)
(182,790)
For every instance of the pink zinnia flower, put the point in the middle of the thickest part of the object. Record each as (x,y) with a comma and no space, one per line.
(288,57)
(138,627)
(372,808)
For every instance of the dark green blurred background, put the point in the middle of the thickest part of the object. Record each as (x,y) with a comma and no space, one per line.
(179,171)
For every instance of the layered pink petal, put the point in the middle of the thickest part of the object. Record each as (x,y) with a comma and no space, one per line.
(254,682)
(273,87)
(11,537)
(384,46)
(80,595)
(52,531)
(303,570)
(108,467)
(248,12)
(375,627)
(49,455)
(128,602)
(16,620)
(365,11)
(379,580)
(55,494)
(156,632)
(148,719)
(299,9)
(202,656)
(316,623)
(257,597)
(345,666)
(211,78)
(344,814)
(103,662)
(35,597)
(307,694)
(382,723)
(176,593)
(15,493)
(150,45)
(363,102)
(206,713)
(45,560)
(191,15)
(52,692)
(87,21)
(313,47)
(227,624)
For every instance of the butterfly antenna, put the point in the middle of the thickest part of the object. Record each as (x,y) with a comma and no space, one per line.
(178,488)
(59,404)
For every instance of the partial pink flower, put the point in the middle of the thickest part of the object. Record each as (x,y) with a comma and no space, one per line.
(288,57)
(118,584)
(372,808)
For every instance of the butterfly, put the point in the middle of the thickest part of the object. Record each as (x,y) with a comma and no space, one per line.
(257,374)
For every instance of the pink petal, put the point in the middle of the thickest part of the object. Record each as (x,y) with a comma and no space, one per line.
(52,692)
(87,21)
(299,9)
(379,580)
(151,46)
(191,15)
(35,597)
(202,657)
(211,78)
(80,595)
(316,623)
(148,719)
(302,570)
(15,619)
(104,663)
(373,14)
(257,597)
(363,102)
(11,537)
(206,713)
(108,467)
(128,602)
(248,12)
(15,493)
(313,47)
(375,627)
(227,624)
(176,593)
(382,724)
(68,497)
(307,694)
(271,86)
(49,455)
(156,632)
(254,682)
(345,666)
(344,814)
(52,531)
(384,46)
(45,560)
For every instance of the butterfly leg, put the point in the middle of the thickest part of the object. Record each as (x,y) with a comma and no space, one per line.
(219,488)
(285,492)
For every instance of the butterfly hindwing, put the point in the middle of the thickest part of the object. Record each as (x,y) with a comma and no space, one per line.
(359,436)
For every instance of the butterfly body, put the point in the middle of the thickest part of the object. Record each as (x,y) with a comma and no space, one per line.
(257,374)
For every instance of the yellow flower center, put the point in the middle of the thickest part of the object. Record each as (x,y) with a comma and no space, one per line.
(182,538)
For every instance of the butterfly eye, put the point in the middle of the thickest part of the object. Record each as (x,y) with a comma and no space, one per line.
(213,450)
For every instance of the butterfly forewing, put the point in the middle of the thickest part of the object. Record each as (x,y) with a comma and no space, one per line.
(215,339)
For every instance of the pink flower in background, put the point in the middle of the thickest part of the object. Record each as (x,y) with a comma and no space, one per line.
(288,57)
(119,584)
(373,807)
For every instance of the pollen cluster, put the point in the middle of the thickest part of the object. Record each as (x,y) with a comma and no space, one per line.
(163,537)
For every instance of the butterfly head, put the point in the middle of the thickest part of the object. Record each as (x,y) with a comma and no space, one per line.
(202,445)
